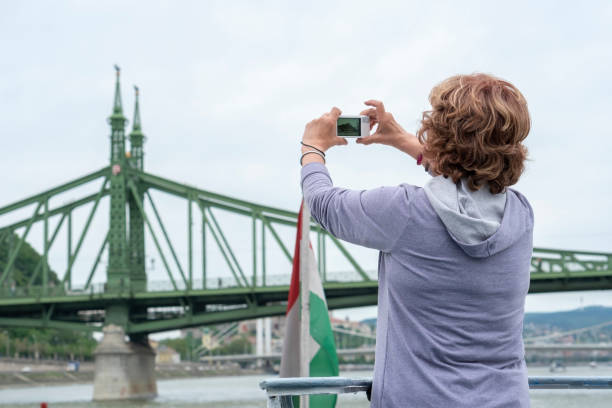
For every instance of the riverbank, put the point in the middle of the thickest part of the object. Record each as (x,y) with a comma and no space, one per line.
(49,378)
(28,373)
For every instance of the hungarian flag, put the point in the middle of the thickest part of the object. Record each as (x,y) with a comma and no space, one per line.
(309,349)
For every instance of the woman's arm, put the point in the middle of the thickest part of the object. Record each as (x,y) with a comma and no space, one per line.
(370,218)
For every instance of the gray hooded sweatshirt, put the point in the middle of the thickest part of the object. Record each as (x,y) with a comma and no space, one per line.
(452,279)
(469,216)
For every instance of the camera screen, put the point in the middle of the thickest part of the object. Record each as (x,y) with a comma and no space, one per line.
(349,126)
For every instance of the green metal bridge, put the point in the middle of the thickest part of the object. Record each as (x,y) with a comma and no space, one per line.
(189,297)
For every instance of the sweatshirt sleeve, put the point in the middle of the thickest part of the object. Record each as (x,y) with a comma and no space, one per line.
(372,218)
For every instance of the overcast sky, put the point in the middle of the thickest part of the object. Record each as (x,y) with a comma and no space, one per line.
(228,86)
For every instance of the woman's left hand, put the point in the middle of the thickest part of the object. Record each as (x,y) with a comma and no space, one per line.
(321,132)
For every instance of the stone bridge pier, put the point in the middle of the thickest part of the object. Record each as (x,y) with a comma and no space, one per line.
(124,369)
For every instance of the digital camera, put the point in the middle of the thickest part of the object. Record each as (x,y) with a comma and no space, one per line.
(353,126)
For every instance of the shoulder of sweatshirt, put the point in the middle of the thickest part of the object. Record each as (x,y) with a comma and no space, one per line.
(525,205)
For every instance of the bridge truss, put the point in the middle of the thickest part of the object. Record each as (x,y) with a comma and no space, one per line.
(189,297)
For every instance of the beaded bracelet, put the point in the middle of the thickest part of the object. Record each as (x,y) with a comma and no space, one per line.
(313,152)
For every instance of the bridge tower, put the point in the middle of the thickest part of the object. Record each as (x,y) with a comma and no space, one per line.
(136,242)
(124,369)
(118,273)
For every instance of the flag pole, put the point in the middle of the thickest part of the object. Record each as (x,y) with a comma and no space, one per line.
(304,299)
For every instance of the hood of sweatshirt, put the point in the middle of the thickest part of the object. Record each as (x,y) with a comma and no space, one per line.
(480,222)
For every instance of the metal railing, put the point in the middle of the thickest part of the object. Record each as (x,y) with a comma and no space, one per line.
(220,282)
(281,390)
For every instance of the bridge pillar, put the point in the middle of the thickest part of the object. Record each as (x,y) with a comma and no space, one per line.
(123,369)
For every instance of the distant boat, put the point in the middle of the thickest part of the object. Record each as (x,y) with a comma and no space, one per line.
(593,364)
(557,366)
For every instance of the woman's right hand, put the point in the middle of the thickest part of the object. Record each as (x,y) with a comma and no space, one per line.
(389,132)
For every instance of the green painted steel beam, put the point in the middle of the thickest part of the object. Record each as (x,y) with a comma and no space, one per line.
(41,323)
(15,251)
(92,213)
(263,252)
(55,211)
(228,248)
(254,250)
(339,295)
(183,190)
(278,239)
(567,251)
(352,301)
(597,280)
(55,190)
(537,276)
(234,295)
(203,319)
(190,242)
(571,284)
(45,255)
(152,232)
(69,244)
(241,292)
(96,262)
(218,241)
(227,206)
(134,191)
(39,263)
(250,312)
(204,256)
(168,242)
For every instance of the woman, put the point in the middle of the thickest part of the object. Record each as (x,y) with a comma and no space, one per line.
(454,255)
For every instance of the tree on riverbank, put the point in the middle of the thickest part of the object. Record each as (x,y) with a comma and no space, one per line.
(50,344)
(24,265)
(37,343)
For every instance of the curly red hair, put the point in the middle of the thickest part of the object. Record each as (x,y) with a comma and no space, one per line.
(475,129)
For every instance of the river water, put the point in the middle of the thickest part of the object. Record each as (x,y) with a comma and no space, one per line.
(244,392)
